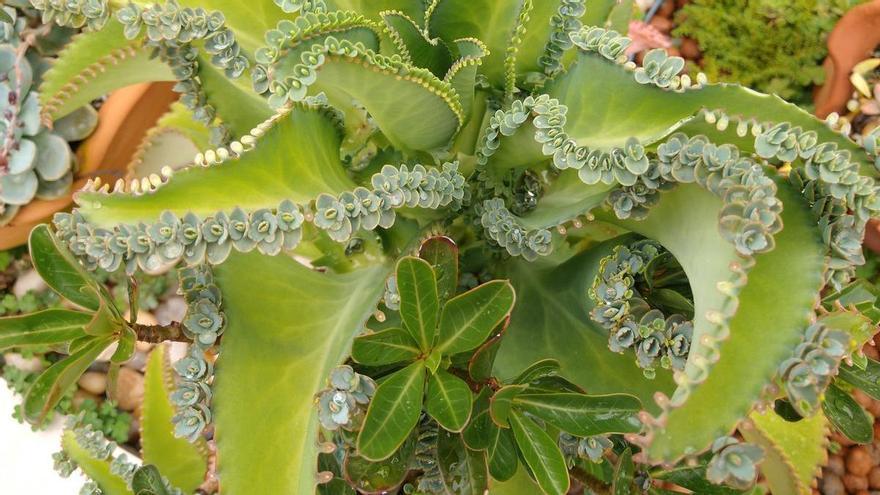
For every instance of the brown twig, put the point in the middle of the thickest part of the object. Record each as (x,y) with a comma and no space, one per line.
(155,334)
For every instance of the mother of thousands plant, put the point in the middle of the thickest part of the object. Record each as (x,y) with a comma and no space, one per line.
(456,245)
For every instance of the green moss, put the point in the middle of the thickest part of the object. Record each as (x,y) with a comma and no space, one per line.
(775,46)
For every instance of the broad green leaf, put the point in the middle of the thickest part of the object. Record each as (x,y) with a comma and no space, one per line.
(125,346)
(449,400)
(276,357)
(237,104)
(410,40)
(694,479)
(98,470)
(464,471)
(583,415)
(479,429)
(388,346)
(297,159)
(868,380)
(622,482)
(105,60)
(594,89)
(61,271)
(52,383)
(793,452)
(620,16)
(518,483)
(685,221)
(552,320)
(540,369)
(419,305)
(182,462)
(442,253)
(382,476)
(147,481)
(847,415)
(49,327)
(501,403)
(541,454)
(467,319)
(502,453)
(414,9)
(249,20)
(393,412)
(481,362)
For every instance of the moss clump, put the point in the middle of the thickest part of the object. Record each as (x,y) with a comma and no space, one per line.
(775,46)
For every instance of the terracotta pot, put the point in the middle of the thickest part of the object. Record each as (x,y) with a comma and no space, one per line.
(123,121)
(853,39)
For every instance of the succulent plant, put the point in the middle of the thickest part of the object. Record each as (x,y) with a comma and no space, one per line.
(489,213)
(35,161)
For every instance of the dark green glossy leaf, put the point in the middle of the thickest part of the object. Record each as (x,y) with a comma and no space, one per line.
(501,402)
(540,369)
(61,271)
(468,319)
(449,400)
(419,305)
(541,454)
(383,476)
(868,380)
(393,412)
(482,361)
(694,479)
(479,430)
(147,481)
(621,483)
(464,471)
(847,415)
(502,454)
(584,415)
(442,254)
(52,326)
(50,386)
(388,346)
(125,346)
(552,384)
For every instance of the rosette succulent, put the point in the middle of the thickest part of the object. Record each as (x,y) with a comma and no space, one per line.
(457,246)
(35,159)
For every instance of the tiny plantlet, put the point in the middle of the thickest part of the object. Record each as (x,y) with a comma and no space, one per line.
(453,247)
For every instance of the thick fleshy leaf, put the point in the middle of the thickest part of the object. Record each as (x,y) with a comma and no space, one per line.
(393,412)
(182,462)
(541,454)
(540,369)
(694,479)
(419,305)
(49,327)
(583,415)
(275,361)
(409,38)
(468,319)
(479,429)
(61,271)
(621,484)
(98,470)
(463,471)
(868,379)
(442,253)
(685,222)
(388,346)
(847,415)
(147,481)
(88,56)
(449,400)
(382,476)
(299,155)
(501,453)
(501,403)
(483,359)
(52,383)
(793,451)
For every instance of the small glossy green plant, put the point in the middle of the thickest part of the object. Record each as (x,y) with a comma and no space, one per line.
(421,227)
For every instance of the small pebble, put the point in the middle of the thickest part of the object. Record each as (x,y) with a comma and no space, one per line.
(854,483)
(832,485)
(689,49)
(129,389)
(93,382)
(859,462)
(172,309)
(28,281)
(663,24)
(31,365)
(874,477)
(836,465)
(81,396)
